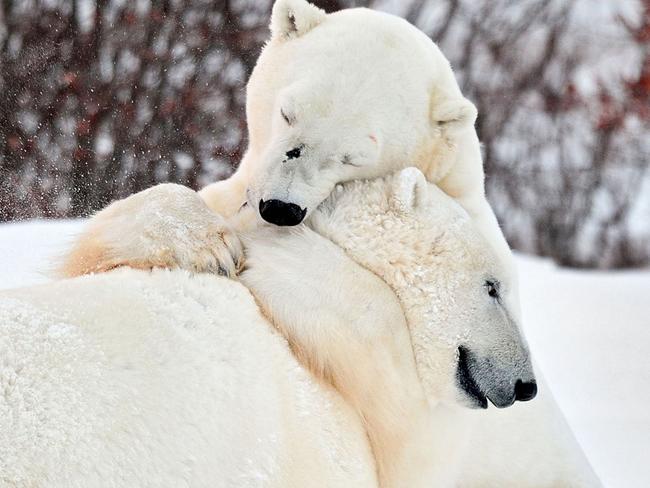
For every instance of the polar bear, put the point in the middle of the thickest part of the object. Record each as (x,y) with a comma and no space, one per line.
(333,98)
(160,379)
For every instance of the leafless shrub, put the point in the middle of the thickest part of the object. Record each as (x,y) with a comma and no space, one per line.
(101,98)
(563,92)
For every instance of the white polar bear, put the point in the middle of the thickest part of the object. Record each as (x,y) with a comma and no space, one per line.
(93,367)
(333,98)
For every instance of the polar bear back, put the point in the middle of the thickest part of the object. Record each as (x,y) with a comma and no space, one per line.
(162,379)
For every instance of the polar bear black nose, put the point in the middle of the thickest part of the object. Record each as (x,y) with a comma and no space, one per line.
(294,153)
(281,213)
(525,390)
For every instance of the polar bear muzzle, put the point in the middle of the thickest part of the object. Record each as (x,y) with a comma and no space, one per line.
(281,213)
(482,379)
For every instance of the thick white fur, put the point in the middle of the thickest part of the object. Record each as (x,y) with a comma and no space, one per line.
(95,366)
(162,227)
(162,379)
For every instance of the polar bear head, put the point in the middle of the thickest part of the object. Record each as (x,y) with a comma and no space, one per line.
(467,345)
(342,96)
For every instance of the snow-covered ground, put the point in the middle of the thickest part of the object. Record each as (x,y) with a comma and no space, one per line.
(590,333)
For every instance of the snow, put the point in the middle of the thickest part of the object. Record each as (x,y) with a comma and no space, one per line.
(29,249)
(589,332)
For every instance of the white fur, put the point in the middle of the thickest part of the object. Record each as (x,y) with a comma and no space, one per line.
(162,379)
(166,226)
(95,366)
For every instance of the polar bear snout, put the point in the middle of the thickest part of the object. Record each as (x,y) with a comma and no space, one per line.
(484,378)
(281,213)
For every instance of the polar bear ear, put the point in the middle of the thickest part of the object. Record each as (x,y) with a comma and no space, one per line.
(454,115)
(409,189)
(294,18)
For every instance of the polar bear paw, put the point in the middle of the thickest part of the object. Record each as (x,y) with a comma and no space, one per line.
(167,226)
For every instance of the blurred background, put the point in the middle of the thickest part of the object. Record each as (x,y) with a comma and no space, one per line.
(103,98)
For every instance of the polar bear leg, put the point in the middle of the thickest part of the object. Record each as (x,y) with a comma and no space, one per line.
(166,226)
(226,197)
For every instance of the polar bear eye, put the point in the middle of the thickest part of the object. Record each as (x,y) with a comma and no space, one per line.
(288,119)
(492,288)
